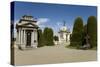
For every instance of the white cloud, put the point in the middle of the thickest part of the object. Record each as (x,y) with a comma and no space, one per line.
(15,31)
(15,22)
(41,26)
(59,23)
(41,21)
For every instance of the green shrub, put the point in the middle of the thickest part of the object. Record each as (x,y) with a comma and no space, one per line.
(48,36)
(77,34)
(40,38)
(92,30)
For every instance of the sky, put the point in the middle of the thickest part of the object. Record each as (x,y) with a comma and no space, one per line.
(53,15)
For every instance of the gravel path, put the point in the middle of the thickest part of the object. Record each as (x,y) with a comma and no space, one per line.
(53,54)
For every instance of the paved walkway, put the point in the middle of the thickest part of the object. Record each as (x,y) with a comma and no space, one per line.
(53,54)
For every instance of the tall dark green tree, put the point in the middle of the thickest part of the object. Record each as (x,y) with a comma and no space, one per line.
(85,29)
(45,35)
(48,36)
(77,34)
(92,30)
(40,38)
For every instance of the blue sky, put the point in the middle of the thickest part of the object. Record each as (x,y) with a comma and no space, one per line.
(53,15)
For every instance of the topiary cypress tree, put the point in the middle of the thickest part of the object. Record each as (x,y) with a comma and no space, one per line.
(77,34)
(45,35)
(48,36)
(85,29)
(40,38)
(92,30)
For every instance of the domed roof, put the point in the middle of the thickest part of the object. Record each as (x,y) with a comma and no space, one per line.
(63,29)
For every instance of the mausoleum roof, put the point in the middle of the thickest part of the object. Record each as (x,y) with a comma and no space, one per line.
(27,25)
(27,21)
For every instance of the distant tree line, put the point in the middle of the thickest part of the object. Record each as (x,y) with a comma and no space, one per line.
(84,34)
(45,38)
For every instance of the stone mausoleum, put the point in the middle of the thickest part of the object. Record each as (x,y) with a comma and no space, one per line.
(64,34)
(27,36)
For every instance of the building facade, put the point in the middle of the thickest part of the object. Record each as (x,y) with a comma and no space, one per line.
(27,36)
(64,34)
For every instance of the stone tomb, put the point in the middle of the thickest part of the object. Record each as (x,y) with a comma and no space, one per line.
(27,33)
(64,34)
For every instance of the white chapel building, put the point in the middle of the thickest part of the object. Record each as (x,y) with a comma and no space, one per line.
(27,36)
(64,34)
